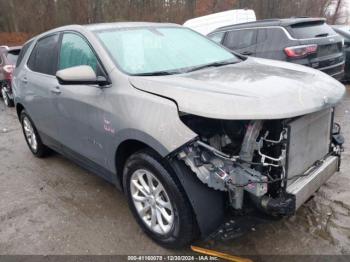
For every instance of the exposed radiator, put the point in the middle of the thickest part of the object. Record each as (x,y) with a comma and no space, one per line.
(309,141)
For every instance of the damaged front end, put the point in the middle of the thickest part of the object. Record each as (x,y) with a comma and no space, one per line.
(260,161)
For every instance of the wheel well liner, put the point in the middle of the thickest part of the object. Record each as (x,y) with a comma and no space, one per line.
(208,204)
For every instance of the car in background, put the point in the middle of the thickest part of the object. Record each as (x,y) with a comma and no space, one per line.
(344,32)
(208,23)
(190,131)
(305,41)
(8,59)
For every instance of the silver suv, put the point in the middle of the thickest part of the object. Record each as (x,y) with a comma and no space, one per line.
(191,132)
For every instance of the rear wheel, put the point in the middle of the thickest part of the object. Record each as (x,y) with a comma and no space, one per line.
(7,100)
(32,137)
(158,201)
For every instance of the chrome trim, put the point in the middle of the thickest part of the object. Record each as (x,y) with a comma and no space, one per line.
(304,187)
(279,27)
(338,73)
(332,66)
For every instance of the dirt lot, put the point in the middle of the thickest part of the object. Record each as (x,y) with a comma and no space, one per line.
(52,206)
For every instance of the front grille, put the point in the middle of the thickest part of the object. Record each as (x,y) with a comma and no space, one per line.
(309,141)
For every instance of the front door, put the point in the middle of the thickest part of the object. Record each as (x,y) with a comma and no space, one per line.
(242,41)
(80,105)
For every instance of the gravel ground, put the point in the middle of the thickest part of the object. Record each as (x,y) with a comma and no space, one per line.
(52,206)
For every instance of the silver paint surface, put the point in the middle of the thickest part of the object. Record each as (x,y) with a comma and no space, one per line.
(94,121)
(254,89)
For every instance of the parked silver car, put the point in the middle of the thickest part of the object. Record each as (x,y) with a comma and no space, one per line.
(190,131)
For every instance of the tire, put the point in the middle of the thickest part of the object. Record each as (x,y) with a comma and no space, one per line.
(7,100)
(182,228)
(32,137)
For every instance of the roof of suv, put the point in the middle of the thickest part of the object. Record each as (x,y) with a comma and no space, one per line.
(101,26)
(273,22)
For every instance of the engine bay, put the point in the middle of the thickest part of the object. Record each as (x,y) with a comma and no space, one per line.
(249,159)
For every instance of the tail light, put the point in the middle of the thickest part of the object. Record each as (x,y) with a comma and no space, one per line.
(300,51)
(8,71)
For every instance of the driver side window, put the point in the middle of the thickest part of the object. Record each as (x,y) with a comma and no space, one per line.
(75,51)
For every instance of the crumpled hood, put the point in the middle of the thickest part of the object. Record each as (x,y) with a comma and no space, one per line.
(253,89)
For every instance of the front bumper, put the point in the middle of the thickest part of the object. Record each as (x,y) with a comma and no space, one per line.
(304,187)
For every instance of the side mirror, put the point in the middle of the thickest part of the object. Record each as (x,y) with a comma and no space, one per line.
(80,75)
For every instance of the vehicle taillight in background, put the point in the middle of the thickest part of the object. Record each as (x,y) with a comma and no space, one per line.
(8,71)
(300,51)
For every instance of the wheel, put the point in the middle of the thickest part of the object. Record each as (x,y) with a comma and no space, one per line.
(157,201)
(8,102)
(32,137)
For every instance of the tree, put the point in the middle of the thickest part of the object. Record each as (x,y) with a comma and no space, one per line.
(35,16)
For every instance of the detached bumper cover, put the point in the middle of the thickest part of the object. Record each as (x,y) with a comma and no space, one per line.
(304,187)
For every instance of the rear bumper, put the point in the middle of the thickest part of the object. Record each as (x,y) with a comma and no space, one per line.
(336,71)
(304,187)
(333,65)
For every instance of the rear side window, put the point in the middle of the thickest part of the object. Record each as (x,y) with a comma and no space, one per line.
(240,39)
(43,58)
(217,37)
(23,52)
(311,30)
(75,51)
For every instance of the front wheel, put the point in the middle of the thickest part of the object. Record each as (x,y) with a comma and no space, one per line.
(157,201)
(7,100)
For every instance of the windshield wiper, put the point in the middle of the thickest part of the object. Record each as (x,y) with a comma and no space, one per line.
(191,69)
(159,73)
(215,64)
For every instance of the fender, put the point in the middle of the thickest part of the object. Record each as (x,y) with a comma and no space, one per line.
(134,134)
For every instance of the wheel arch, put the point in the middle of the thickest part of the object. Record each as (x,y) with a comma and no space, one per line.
(124,150)
(199,195)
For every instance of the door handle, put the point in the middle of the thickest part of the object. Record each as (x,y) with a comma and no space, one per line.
(25,80)
(247,53)
(56,90)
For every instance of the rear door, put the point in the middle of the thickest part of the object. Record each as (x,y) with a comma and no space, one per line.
(271,42)
(242,41)
(40,84)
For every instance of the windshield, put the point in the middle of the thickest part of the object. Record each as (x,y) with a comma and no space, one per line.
(140,51)
(311,30)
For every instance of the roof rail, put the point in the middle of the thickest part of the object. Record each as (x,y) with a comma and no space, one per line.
(301,16)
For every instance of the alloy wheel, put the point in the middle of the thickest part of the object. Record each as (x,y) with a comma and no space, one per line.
(151,201)
(30,134)
(4,96)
